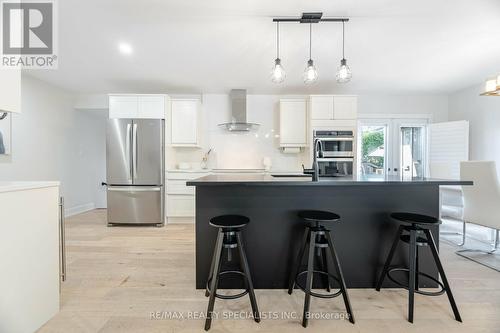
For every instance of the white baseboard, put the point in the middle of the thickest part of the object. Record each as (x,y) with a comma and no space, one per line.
(79,209)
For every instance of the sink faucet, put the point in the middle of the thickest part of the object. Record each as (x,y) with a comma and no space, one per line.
(318,150)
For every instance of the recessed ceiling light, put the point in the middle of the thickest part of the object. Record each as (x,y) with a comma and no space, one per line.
(125,48)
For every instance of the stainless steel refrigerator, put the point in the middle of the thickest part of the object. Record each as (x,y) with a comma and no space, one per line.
(135,171)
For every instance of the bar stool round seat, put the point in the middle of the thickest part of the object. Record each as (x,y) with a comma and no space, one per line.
(318,243)
(229,221)
(415,232)
(229,240)
(412,218)
(318,216)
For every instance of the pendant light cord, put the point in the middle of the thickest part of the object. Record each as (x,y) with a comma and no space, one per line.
(343,39)
(277,40)
(310,40)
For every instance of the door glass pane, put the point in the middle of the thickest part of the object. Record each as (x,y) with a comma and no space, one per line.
(373,150)
(412,152)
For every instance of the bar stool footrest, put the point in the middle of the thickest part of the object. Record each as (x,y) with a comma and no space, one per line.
(421,292)
(228,296)
(331,295)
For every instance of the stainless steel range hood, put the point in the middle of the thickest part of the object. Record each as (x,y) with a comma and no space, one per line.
(238,121)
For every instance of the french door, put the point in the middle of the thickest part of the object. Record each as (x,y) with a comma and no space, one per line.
(392,147)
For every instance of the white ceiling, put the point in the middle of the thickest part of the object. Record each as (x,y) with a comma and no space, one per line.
(194,46)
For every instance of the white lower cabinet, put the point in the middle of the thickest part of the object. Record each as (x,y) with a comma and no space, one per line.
(179,187)
(180,199)
(180,205)
(29,255)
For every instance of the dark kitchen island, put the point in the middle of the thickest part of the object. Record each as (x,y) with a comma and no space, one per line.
(362,237)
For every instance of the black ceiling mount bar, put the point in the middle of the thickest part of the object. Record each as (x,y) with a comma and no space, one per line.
(311,18)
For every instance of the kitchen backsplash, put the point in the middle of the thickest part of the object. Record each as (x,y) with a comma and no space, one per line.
(245,150)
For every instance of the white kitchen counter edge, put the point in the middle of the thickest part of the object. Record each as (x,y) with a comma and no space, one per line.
(189,170)
(6,186)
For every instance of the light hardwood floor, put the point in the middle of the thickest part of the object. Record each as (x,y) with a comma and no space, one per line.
(118,276)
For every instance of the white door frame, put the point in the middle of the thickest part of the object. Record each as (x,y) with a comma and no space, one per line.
(393,123)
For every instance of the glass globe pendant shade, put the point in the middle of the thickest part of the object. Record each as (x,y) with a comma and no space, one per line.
(278,72)
(344,73)
(310,73)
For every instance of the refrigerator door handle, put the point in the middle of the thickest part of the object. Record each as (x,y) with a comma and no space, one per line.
(127,152)
(135,189)
(134,151)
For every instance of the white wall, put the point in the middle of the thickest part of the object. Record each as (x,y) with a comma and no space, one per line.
(483,114)
(53,141)
(435,105)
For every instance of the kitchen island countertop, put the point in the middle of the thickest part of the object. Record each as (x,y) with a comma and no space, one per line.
(247,179)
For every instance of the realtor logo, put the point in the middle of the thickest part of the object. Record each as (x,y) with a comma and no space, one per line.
(28,34)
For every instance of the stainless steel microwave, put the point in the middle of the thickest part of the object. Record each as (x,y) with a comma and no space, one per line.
(336,143)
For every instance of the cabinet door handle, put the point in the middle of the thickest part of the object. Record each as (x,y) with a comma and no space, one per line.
(62,238)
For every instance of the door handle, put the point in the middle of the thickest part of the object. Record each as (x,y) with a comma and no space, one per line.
(127,152)
(134,151)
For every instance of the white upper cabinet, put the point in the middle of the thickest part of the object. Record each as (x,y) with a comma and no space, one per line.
(293,123)
(137,106)
(10,90)
(152,106)
(123,106)
(345,107)
(333,107)
(185,122)
(321,107)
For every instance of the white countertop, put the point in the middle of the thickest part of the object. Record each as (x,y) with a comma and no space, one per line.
(189,170)
(6,186)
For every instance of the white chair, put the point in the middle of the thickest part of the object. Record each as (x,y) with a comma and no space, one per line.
(481,200)
(450,197)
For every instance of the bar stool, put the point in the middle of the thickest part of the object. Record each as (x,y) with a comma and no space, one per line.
(417,234)
(320,243)
(229,238)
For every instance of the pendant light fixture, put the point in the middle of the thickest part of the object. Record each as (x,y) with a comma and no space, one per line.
(278,72)
(344,73)
(310,73)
